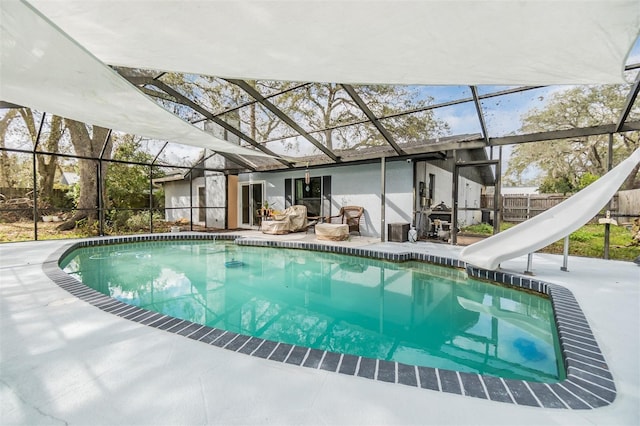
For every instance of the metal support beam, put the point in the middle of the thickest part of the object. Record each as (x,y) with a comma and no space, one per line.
(100,171)
(497,192)
(151,198)
(228,127)
(183,100)
(104,145)
(454,197)
(9,105)
(99,200)
(153,162)
(631,98)
(226,201)
(477,163)
(191,201)
(372,118)
(35,179)
(158,154)
(35,197)
(476,102)
(564,134)
(529,270)
(449,146)
(607,226)
(142,81)
(383,195)
(282,116)
(565,255)
(459,101)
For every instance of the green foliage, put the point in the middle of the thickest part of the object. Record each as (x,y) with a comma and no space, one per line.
(88,227)
(485,228)
(127,221)
(480,228)
(128,184)
(317,106)
(561,185)
(585,180)
(140,220)
(568,165)
(19,170)
(117,219)
(581,235)
(73,194)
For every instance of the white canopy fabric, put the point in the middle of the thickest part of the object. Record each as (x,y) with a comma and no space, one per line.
(470,42)
(44,69)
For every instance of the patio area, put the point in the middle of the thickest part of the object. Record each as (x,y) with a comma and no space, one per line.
(65,361)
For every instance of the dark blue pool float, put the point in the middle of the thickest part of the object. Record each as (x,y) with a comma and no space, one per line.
(234,264)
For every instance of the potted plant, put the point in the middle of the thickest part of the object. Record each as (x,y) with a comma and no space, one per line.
(265,210)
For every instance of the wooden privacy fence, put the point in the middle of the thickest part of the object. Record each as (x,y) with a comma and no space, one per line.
(520,207)
(627,203)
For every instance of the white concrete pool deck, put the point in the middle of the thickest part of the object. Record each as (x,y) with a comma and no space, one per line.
(64,361)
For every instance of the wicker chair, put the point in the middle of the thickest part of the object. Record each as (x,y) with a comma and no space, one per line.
(349,215)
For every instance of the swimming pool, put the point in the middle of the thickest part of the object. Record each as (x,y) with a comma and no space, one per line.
(410,312)
(584,362)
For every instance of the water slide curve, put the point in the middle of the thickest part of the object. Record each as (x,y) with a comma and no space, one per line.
(552,225)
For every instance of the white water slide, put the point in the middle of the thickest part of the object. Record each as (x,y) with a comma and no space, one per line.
(552,225)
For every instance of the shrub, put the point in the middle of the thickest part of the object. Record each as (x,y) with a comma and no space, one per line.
(117,219)
(140,221)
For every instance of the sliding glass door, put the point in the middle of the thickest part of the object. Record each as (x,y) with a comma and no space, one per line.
(251,198)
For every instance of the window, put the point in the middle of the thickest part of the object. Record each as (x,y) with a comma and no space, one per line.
(309,195)
(432,187)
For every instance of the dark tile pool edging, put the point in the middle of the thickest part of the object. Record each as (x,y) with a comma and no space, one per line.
(589,383)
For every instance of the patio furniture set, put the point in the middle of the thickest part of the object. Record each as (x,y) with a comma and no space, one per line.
(331,228)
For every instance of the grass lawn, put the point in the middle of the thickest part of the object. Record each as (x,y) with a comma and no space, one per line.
(24,231)
(587,241)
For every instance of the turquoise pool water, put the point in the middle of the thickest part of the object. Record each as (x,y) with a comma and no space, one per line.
(412,312)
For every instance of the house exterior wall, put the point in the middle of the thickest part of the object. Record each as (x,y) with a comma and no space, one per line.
(469,195)
(177,199)
(215,193)
(176,195)
(360,185)
(469,192)
(197,183)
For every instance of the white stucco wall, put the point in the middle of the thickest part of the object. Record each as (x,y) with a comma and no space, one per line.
(216,194)
(176,194)
(358,185)
(469,192)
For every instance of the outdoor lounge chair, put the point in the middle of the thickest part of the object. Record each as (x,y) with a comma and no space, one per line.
(349,215)
(292,219)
